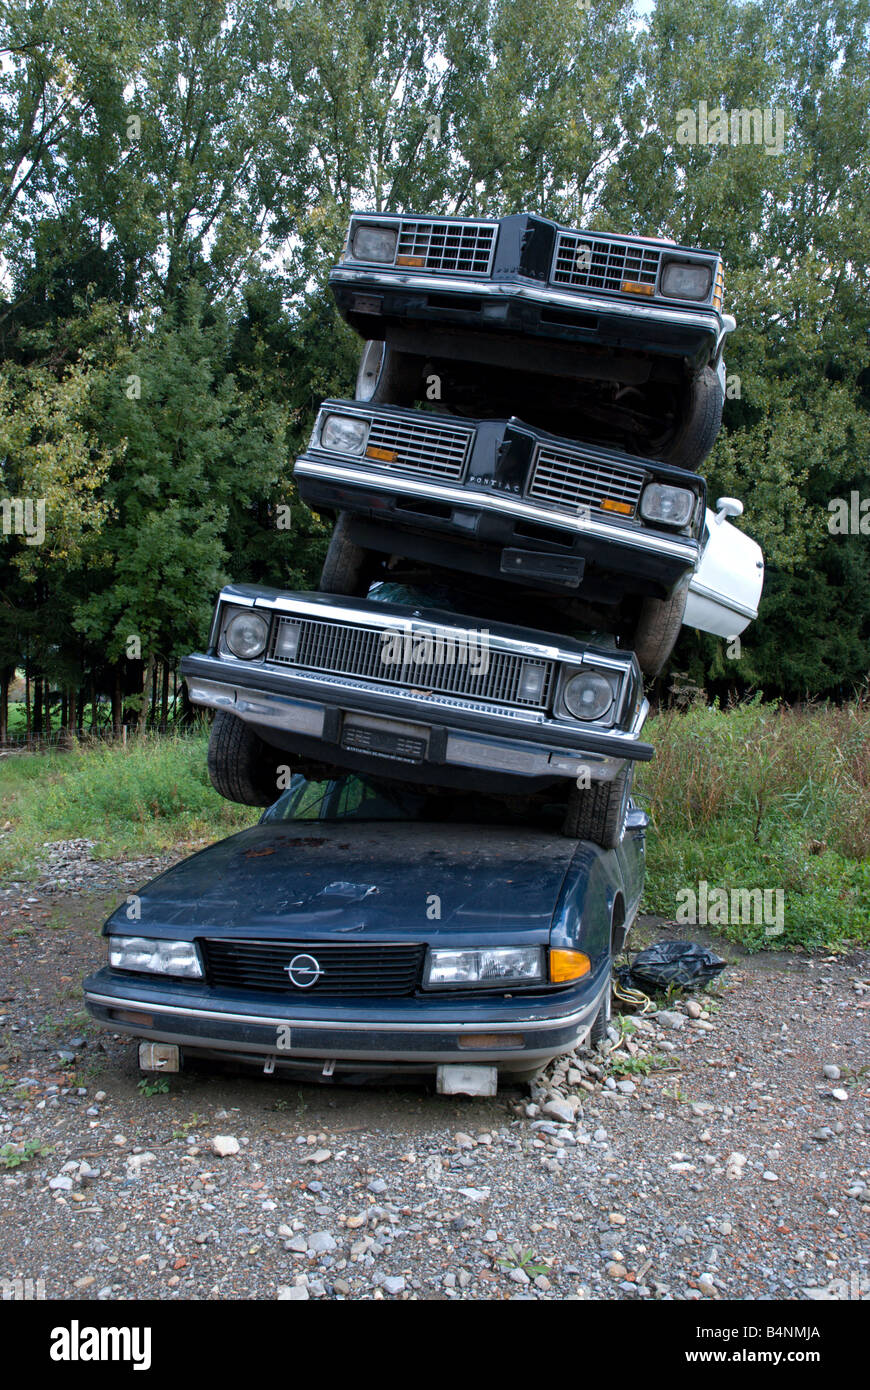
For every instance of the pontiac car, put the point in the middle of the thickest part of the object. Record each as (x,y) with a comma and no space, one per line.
(431,697)
(594,336)
(365,928)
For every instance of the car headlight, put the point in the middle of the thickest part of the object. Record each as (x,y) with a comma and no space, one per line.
(588,696)
(246,635)
(685,280)
(344,434)
(155,957)
(373,243)
(488,965)
(672,506)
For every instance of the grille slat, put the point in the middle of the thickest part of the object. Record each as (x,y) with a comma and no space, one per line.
(463,248)
(370,971)
(427,449)
(447,663)
(599,263)
(568,479)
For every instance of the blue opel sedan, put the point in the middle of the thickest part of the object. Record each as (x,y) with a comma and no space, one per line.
(366,927)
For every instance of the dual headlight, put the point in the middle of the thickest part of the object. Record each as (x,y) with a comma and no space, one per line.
(143,955)
(502,967)
(686,280)
(369,242)
(669,506)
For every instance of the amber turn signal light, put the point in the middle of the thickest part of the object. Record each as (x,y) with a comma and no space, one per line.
(568,965)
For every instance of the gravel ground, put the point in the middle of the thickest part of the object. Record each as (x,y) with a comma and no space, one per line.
(718,1151)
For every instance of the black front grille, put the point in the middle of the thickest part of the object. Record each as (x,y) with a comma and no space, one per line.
(604,263)
(377,971)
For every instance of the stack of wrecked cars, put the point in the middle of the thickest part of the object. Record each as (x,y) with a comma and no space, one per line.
(445,734)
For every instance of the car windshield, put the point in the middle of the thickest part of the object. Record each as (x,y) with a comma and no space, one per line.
(368,799)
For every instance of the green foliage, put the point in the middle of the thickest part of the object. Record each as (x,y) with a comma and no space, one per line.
(761,796)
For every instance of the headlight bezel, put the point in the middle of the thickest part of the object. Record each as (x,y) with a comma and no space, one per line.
(676,524)
(236,616)
(137,949)
(499,982)
(589,675)
(334,417)
(373,228)
(615,677)
(674,265)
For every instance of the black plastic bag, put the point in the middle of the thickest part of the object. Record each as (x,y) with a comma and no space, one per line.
(682,963)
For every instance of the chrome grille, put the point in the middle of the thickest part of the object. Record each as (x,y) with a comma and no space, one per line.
(463,247)
(432,450)
(596,263)
(449,663)
(570,480)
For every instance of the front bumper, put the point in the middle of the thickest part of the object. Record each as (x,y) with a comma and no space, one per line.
(408,309)
(500,527)
(311,714)
(418,1034)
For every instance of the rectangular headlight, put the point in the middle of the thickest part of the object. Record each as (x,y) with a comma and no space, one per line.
(685,280)
(344,434)
(154,956)
(487,965)
(371,243)
(671,506)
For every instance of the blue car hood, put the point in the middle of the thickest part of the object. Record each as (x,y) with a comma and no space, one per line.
(379,880)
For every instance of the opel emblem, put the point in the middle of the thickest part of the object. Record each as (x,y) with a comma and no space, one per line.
(304,971)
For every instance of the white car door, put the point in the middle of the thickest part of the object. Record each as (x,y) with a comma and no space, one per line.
(726,587)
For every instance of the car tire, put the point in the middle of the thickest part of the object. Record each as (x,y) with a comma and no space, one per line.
(601,1022)
(348,568)
(658,627)
(386,376)
(241,766)
(701,420)
(597,813)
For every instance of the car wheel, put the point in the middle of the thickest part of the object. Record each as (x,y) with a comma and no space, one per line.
(241,766)
(598,1031)
(657,630)
(348,568)
(387,377)
(701,419)
(597,813)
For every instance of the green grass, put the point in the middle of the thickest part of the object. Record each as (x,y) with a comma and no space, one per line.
(150,795)
(764,797)
(755,797)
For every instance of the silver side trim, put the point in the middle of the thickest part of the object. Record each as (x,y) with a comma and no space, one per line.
(686,550)
(723,600)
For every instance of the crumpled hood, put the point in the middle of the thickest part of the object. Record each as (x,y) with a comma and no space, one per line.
(383,880)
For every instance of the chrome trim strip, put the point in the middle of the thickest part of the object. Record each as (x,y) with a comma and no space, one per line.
(711,320)
(722,600)
(494,502)
(273,1020)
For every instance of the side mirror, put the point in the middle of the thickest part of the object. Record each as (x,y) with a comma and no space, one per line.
(728,506)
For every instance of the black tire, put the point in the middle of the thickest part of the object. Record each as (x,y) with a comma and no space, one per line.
(658,627)
(387,377)
(702,417)
(597,813)
(598,1031)
(348,568)
(241,766)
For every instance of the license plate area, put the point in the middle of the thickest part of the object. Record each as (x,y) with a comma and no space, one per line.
(393,740)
